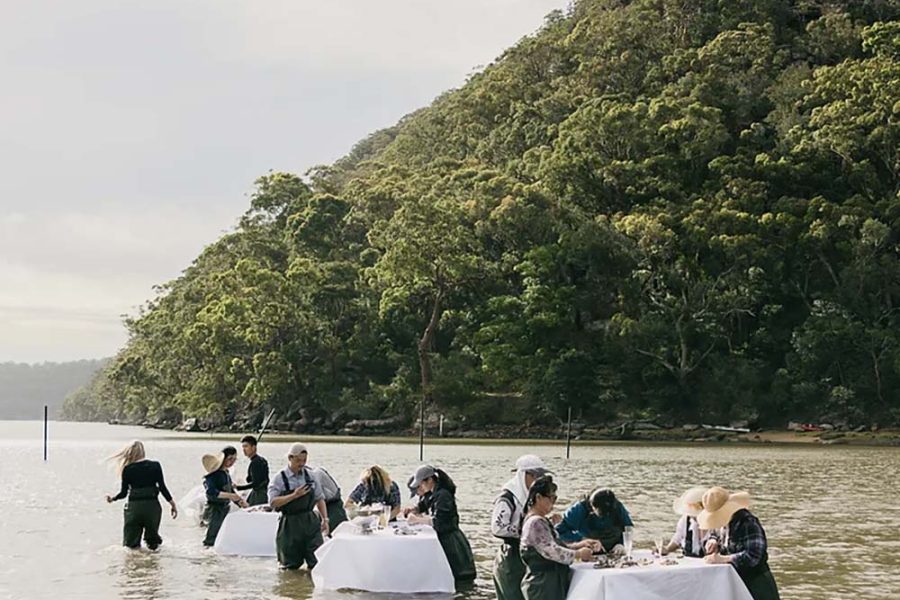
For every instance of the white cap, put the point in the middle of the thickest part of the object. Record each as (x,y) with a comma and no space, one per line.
(531,464)
(296,449)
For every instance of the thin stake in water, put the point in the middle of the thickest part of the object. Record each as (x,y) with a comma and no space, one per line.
(45,433)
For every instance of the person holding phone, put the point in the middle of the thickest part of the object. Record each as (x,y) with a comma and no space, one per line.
(294,492)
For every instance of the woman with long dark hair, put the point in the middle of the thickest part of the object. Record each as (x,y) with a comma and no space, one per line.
(546,558)
(142,482)
(440,512)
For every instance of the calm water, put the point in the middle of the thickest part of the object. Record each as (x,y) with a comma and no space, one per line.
(830,512)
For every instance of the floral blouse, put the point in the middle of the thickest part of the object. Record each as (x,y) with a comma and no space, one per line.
(539,533)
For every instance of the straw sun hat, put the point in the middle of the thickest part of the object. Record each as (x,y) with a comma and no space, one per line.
(719,505)
(683,504)
(213,462)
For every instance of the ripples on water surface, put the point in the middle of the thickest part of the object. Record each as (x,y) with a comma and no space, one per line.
(830,512)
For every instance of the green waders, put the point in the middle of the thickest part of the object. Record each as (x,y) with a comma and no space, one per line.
(459,554)
(142,516)
(214,515)
(544,579)
(509,570)
(257,496)
(760,582)
(336,513)
(299,532)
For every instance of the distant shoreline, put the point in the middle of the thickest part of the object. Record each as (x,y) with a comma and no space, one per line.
(765,437)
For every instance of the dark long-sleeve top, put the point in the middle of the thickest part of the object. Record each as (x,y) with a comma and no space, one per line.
(257,475)
(579,521)
(215,482)
(143,474)
(745,541)
(442,508)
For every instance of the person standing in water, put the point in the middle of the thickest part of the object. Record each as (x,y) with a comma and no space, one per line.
(547,559)
(331,491)
(219,492)
(744,545)
(294,493)
(440,513)
(506,524)
(142,482)
(257,473)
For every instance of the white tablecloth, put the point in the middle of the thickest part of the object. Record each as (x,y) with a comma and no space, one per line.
(691,579)
(383,562)
(248,533)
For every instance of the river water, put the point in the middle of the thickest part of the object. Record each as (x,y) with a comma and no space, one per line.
(831,513)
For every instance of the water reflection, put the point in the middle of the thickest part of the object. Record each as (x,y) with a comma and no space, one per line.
(139,574)
(829,512)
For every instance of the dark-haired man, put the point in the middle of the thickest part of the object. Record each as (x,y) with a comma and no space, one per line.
(257,473)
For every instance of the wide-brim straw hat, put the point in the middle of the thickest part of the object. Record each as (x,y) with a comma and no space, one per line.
(719,505)
(682,504)
(213,462)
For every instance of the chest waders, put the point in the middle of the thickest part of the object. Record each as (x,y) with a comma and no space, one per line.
(257,496)
(509,570)
(609,535)
(142,517)
(759,580)
(544,579)
(299,530)
(214,515)
(336,513)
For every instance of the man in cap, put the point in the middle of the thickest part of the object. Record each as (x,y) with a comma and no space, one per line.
(219,492)
(506,524)
(294,492)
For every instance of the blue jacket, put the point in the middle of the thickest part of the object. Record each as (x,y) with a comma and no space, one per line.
(580,522)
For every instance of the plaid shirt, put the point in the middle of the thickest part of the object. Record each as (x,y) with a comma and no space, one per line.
(745,541)
(364,495)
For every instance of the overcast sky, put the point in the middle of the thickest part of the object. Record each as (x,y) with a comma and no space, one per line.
(131,132)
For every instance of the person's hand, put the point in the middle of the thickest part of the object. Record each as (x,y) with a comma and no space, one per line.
(583,554)
(174,510)
(409,510)
(555,518)
(712,547)
(663,550)
(595,545)
(324,526)
(242,503)
(618,550)
(302,491)
(716,559)
(108,499)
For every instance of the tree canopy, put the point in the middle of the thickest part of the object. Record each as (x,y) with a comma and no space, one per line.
(688,210)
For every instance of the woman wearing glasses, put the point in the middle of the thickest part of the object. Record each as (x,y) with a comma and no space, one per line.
(546,559)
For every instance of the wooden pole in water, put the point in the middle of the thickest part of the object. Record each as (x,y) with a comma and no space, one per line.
(45,433)
(422,429)
(569,434)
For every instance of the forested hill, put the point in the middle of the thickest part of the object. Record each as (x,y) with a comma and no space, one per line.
(26,388)
(661,209)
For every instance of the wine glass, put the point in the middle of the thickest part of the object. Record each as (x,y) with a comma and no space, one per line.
(628,539)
